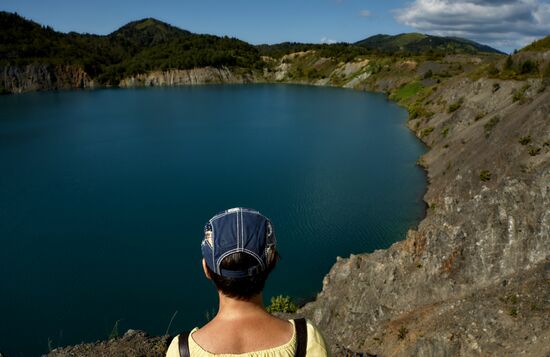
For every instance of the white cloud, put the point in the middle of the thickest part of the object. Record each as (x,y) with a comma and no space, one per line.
(504,24)
(328,40)
(365,13)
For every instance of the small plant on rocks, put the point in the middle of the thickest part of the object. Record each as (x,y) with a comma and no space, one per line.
(485,175)
(534,151)
(282,304)
(454,107)
(524,140)
(402,333)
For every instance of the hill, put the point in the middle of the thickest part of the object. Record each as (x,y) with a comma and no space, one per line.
(421,43)
(540,45)
(147,33)
(134,48)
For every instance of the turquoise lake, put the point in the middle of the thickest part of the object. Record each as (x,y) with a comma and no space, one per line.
(104,195)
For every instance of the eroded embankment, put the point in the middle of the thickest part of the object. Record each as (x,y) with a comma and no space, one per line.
(474,278)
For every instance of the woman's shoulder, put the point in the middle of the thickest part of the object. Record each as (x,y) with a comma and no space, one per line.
(315,342)
(173,348)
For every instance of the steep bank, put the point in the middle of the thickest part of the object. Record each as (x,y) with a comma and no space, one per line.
(207,75)
(42,77)
(473,279)
(458,285)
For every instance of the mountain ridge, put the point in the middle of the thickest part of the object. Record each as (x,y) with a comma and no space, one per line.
(418,42)
(150,44)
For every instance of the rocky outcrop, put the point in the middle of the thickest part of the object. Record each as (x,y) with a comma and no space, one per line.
(39,77)
(176,77)
(132,343)
(474,278)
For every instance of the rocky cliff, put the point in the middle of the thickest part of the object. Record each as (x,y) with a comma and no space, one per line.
(40,77)
(474,277)
(207,75)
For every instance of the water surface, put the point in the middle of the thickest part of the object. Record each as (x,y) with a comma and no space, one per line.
(104,195)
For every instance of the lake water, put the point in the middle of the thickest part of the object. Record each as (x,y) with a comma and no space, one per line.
(104,195)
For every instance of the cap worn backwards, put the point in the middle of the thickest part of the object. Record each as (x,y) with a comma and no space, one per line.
(237,230)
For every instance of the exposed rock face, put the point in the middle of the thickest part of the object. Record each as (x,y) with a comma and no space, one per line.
(474,279)
(189,77)
(37,77)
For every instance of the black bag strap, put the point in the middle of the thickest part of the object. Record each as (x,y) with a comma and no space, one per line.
(301,337)
(183,344)
(301,340)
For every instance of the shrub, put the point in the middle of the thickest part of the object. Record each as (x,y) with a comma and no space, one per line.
(426,131)
(454,107)
(524,140)
(480,116)
(528,67)
(417,111)
(403,331)
(490,125)
(519,94)
(509,63)
(428,74)
(492,70)
(534,151)
(445,132)
(485,175)
(496,87)
(282,304)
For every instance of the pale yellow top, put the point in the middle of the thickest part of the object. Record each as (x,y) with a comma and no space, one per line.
(315,347)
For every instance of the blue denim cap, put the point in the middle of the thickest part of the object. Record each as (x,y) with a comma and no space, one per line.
(237,230)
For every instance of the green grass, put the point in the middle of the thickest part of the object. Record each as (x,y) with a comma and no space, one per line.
(407,91)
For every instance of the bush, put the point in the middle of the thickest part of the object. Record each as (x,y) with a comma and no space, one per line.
(480,116)
(445,132)
(524,140)
(426,131)
(490,125)
(519,94)
(528,67)
(534,151)
(282,304)
(417,111)
(403,331)
(454,107)
(485,175)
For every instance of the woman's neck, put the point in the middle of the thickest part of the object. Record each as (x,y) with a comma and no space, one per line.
(233,309)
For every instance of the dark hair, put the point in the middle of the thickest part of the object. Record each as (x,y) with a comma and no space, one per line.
(242,288)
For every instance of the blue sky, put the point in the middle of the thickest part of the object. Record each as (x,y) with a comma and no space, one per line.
(504,24)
